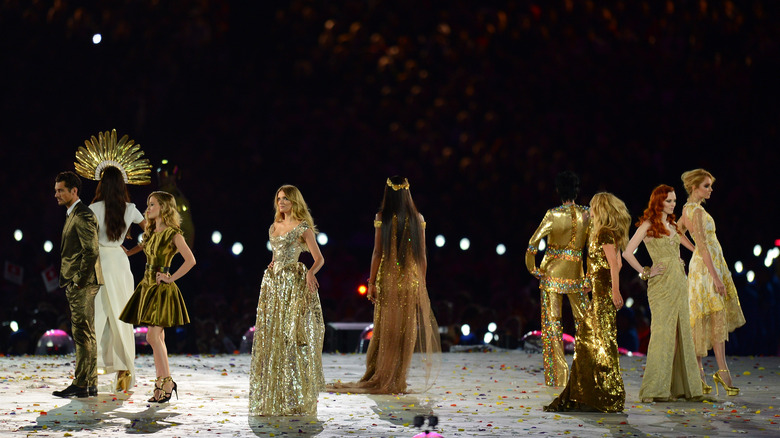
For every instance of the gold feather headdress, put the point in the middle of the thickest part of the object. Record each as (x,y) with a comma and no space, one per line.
(105,151)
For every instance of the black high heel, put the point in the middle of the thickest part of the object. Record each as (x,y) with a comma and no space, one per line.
(167,395)
(155,398)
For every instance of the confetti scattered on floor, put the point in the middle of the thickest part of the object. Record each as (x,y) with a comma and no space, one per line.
(485,394)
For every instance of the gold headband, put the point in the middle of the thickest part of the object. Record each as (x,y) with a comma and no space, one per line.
(104,151)
(398,187)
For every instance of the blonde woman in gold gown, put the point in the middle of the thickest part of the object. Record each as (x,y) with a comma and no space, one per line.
(561,273)
(404,324)
(595,383)
(714,304)
(670,371)
(286,372)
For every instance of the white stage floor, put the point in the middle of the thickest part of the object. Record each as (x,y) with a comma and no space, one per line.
(477,394)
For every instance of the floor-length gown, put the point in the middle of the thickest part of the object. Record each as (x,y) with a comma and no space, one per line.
(713,316)
(115,338)
(404,326)
(671,370)
(595,383)
(286,371)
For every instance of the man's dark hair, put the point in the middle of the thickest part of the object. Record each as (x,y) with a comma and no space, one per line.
(70,179)
(568,185)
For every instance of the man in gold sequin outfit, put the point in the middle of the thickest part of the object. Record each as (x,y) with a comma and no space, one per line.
(566,229)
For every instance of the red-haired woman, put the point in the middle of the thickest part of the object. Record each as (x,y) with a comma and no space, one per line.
(671,369)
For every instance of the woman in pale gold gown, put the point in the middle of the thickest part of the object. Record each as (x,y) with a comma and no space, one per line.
(670,371)
(714,304)
(404,324)
(595,383)
(286,372)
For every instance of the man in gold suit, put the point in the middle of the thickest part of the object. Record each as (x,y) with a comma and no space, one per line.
(566,229)
(81,277)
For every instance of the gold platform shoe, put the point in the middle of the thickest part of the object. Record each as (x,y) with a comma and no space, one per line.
(705,388)
(730,390)
(123,380)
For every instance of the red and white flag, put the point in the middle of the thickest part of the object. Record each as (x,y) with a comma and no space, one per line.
(51,278)
(13,273)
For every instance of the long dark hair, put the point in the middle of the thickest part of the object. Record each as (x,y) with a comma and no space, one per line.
(112,190)
(398,202)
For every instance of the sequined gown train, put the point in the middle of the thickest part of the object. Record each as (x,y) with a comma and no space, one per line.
(713,316)
(671,371)
(595,382)
(405,343)
(286,372)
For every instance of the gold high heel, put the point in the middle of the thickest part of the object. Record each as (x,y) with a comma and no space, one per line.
(730,390)
(705,388)
(123,380)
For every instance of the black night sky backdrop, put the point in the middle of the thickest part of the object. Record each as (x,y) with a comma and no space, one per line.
(479,104)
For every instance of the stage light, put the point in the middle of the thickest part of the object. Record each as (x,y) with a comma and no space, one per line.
(542,245)
(465,329)
(97,38)
(140,238)
(216,237)
(362,289)
(48,246)
(777,242)
(237,248)
(751,276)
(14,326)
(268,246)
(495,336)
(738,267)
(635,250)
(768,261)
(487,338)
(492,327)
(465,243)
(501,249)
(18,235)
(629,302)
(757,250)
(322,239)
(164,161)
(439,241)
(774,252)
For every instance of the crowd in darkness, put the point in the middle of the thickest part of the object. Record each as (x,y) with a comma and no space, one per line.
(479,104)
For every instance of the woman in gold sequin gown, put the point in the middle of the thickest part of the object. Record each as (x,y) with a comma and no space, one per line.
(670,371)
(157,302)
(404,325)
(560,274)
(286,371)
(714,304)
(595,383)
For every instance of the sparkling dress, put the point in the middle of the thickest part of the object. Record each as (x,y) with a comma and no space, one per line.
(405,343)
(155,304)
(595,383)
(566,228)
(713,316)
(671,371)
(115,338)
(286,372)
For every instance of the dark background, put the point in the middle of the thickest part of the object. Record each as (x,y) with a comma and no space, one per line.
(479,104)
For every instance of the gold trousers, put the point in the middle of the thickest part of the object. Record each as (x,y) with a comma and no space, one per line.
(556,371)
(82,320)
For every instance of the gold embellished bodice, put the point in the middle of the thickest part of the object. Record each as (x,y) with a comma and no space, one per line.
(288,247)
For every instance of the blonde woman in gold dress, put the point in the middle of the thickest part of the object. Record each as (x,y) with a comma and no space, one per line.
(286,372)
(670,371)
(714,304)
(403,321)
(560,274)
(595,383)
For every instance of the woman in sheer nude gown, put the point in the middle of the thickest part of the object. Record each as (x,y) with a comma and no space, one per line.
(670,371)
(404,324)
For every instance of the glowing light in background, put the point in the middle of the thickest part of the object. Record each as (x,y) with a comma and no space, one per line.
(362,289)
(488,337)
(492,327)
(439,241)
(237,248)
(751,276)
(738,267)
(465,329)
(465,243)
(629,302)
(542,245)
(322,239)
(48,246)
(757,250)
(18,235)
(97,38)
(501,249)
(216,237)
(268,246)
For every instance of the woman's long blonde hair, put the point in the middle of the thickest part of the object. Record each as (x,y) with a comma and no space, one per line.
(610,213)
(692,178)
(169,215)
(300,211)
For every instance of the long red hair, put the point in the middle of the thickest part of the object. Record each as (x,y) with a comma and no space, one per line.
(654,212)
